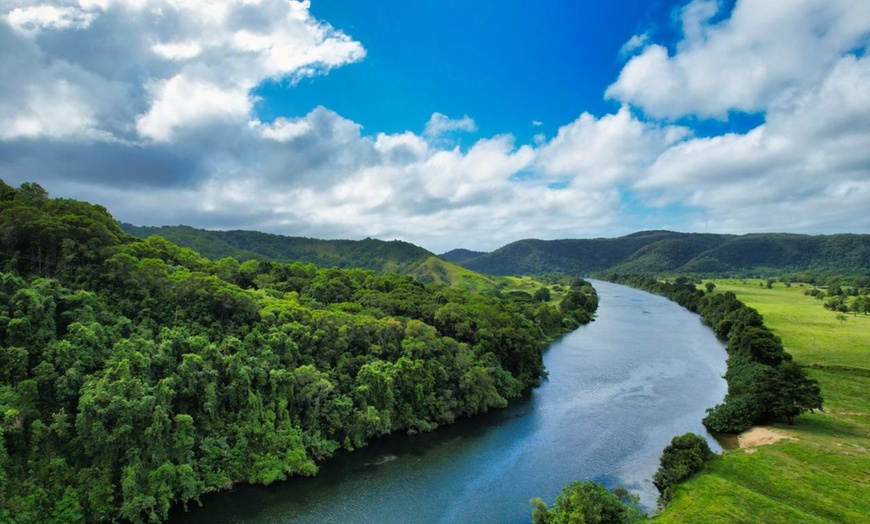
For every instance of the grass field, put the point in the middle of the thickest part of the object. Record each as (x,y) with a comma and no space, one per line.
(824,475)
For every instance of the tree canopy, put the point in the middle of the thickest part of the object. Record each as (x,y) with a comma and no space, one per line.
(135,374)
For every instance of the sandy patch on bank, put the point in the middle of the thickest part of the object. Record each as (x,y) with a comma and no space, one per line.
(759,436)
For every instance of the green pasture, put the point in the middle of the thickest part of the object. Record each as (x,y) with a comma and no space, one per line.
(822,475)
(811,333)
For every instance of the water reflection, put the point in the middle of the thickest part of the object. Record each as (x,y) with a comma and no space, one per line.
(618,390)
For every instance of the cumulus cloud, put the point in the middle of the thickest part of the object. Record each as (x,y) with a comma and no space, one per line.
(440,124)
(32,19)
(146,106)
(761,55)
(168,65)
(807,163)
(612,150)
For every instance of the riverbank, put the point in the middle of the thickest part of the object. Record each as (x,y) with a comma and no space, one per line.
(820,474)
(618,390)
(760,436)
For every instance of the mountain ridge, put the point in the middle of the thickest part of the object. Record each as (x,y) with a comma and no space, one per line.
(646,252)
(658,252)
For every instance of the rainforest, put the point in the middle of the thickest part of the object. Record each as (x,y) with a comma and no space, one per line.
(136,375)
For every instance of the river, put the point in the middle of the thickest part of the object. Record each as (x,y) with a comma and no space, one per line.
(618,390)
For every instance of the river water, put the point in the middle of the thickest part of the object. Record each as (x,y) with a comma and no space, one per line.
(618,390)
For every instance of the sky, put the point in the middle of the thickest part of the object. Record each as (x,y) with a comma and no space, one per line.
(445,123)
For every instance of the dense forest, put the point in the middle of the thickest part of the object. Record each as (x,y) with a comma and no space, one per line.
(377,255)
(647,252)
(136,374)
(764,384)
(667,252)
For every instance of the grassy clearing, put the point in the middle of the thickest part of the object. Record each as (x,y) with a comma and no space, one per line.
(811,333)
(435,270)
(531,285)
(822,476)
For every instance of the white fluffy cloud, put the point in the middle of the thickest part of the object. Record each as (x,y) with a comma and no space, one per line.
(32,19)
(809,161)
(439,124)
(613,150)
(394,186)
(763,54)
(158,125)
(178,65)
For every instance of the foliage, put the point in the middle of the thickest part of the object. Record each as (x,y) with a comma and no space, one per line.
(587,502)
(820,475)
(682,458)
(376,255)
(135,374)
(763,383)
(667,252)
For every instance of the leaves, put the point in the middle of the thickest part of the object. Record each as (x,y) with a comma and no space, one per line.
(137,375)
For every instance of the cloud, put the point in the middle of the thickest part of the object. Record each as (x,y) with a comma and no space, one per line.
(33,19)
(761,55)
(634,43)
(440,124)
(182,101)
(612,150)
(145,106)
(147,69)
(807,168)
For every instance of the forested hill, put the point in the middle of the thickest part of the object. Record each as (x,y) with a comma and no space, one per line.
(459,256)
(376,255)
(136,374)
(656,252)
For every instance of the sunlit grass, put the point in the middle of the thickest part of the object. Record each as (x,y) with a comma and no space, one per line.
(822,476)
(811,333)
(530,285)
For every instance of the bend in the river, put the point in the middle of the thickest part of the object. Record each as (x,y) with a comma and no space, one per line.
(618,390)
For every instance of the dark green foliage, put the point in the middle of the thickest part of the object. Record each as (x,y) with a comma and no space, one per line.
(763,382)
(667,252)
(376,255)
(588,503)
(458,256)
(682,458)
(542,294)
(135,374)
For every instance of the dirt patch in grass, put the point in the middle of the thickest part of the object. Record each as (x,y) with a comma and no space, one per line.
(760,436)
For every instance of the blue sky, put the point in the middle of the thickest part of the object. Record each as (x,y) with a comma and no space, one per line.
(506,63)
(444,123)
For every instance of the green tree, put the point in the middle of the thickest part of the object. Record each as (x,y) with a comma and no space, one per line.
(542,294)
(587,502)
(682,458)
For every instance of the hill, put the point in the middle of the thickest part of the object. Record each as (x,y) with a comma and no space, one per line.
(459,256)
(375,255)
(657,252)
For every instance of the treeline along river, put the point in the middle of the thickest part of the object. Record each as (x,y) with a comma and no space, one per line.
(618,390)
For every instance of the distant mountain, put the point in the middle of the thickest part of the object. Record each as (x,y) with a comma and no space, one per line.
(458,256)
(655,252)
(646,252)
(376,255)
